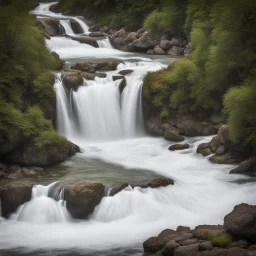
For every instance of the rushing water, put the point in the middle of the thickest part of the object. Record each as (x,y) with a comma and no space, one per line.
(108,126)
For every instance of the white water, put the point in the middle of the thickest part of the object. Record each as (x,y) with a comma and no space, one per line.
(203,192)
(41,208)
(104,43)
(67,27)
(82,24)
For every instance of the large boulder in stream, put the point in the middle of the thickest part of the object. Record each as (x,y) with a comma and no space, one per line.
(92,67)
(51,26)
(72,81)
(13,196)
(83,198)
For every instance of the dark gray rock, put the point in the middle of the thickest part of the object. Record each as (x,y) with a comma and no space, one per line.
(176,147)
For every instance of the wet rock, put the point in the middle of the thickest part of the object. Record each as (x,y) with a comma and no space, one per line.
(241,221)
(154,126)
(175,147)
(160,182)
(72,81)
(85,67)
(169,248)
(122,84)
(192,249)
(147,41)
(98,66)
(51,26)
(226,158)
(28,171)
(76,27)
(247,167)
(86,40)
(158,50)
(92,76)
(125,72)
(204,149)
(173,135)
(13,196)
(73,149)
(83,198)
(117,189)
(97,34)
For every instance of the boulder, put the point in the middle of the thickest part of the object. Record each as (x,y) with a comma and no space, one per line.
(13,196)
(247,167)
(91,76)
(76,27)
(154,126)
(223,135)
(115,190)
(241,221)
(192,249)
(173,135)
(72,81)
(85,67)
(176,41)
(204,231)
(175,51)
(122,84)
(226,158)
(51,26)
(73,149)
(175,147)
(147,41)
(3,170)
(125,72)
(204,149)
(166,44)
(158,50)
(28,154)
(160,182)
(131,37)
(26,171)
(83,198)
(169,248)
(97,34)
(98,66)
(151,51)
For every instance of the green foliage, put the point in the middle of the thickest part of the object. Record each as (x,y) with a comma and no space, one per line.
(222,240)
(26,84)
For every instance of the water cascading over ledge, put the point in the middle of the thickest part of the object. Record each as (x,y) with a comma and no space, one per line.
(97,110)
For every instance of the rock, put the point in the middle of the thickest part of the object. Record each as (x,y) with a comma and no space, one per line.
(188,250)
(125,72)
(155,244)
(214,143)
(85,67)
(72,81)
(131,37)
(86,40)
(175,51)
(83,198)
(96,34)
(223,135)
(147,41)
(29,154)
(151,51)
(187,51)
(183,229)
(76,27)
(247,167)
(190,241)
(217,118)
(241,221)
(51,26)
(169,248)
(205,246)
(173,135)
(13,196)
(92,76)
(204,149)
(38,169)
(105,29)
(3,170)
(73,149)
(98,66)
(220,150)
(158,50)
(204,231)
(117,189)
(223,159)
(175,147)
(235,251)
(14,168)
(120,33)
(154,126)
(122,84)
(166,44)
(176,41)
(61,63)
(15,176)
(117,41)
(160,182)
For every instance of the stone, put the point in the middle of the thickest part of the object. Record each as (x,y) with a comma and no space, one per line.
(83,198)
(176,147)
(205,246)
(247,167)
(173,135)
(204,149)
(13,196)
(158,50)
(220,150)
(160,182)
(92,76)
(190,241)
(131,37)
(154,126)
(241,221)
(76,27)
(166,44)
(115,190)
(125,72)
(151,51)
(51,26)
(223,134)
(188,250)
(175,51)
(183,229)
(28,171)
(223,159)
(203,231)
(73,149)
(72,81)
(169,248)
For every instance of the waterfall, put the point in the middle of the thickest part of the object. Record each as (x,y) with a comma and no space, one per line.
(67,27)
(82,24)
(42,208)
(104,43)
(97,111)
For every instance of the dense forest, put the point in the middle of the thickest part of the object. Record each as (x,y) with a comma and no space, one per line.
(27,96)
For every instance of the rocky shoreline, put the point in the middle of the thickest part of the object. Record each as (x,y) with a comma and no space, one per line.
(237,237)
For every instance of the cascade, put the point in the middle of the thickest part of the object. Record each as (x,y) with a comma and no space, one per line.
(67,27)
(42,208)
(82,24)
(104,43)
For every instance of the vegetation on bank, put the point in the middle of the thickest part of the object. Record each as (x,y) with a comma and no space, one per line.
(26,84)
(220,75)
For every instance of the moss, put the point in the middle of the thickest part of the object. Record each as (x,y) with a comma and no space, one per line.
(221,240)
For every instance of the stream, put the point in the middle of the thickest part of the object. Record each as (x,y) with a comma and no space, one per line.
(108,127)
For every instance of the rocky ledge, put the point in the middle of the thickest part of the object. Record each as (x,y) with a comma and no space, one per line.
(237,237)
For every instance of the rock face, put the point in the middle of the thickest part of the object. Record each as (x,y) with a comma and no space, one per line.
(247,167)
(242,221)
(13,196)
(73,149)
(72,81)
(83,198)
(30,155)
(51,26)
